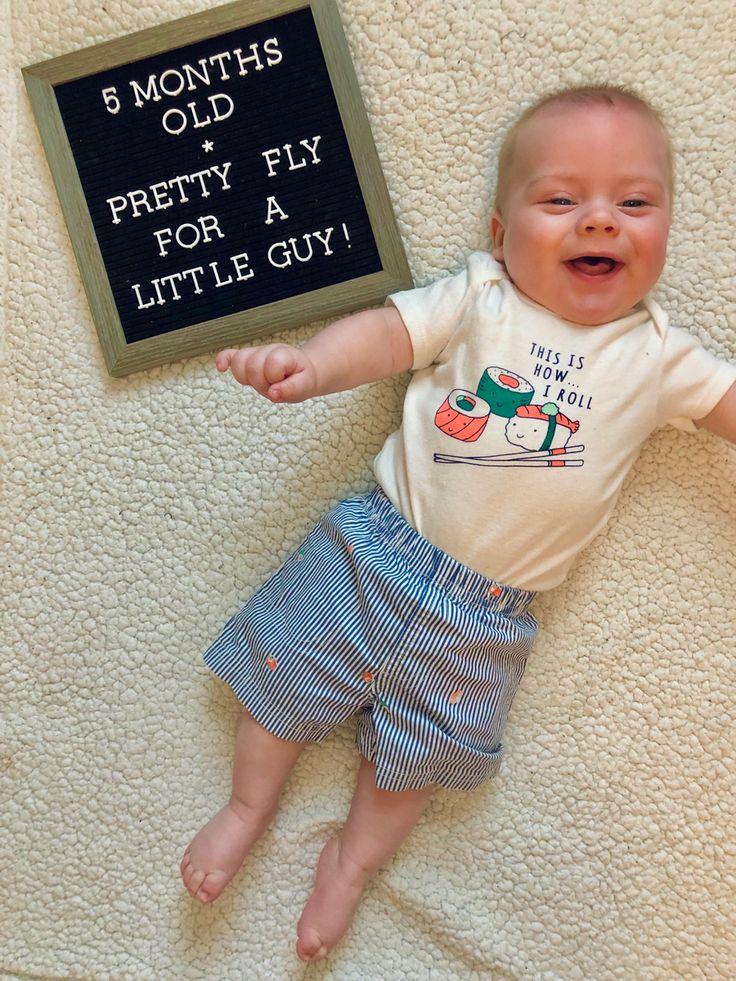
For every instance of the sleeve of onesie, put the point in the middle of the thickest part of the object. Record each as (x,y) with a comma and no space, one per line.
(693,380)
(431,314)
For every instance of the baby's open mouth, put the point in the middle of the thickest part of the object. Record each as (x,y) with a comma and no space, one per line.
(594,265)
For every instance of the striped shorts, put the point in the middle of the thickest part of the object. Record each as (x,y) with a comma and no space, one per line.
(368,617)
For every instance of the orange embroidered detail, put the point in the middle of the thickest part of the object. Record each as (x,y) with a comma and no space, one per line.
(368,677)
(456,696)
(272,662)
(495,590)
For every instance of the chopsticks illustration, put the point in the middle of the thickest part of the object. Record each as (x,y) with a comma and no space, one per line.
(532,458)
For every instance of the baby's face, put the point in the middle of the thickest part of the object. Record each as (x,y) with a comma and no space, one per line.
(587,213)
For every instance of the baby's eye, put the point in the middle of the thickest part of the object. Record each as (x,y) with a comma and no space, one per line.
(561,201)
(634,203)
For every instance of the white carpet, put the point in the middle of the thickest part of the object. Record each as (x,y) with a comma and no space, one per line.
(138,513)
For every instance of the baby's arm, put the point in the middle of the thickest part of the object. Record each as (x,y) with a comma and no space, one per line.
(361,348)
(722,419)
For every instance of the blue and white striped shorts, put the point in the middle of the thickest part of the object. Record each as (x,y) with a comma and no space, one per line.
(367,616)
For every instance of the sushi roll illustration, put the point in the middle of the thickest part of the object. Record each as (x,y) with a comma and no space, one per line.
(540,427)
(504,391)
(463,415)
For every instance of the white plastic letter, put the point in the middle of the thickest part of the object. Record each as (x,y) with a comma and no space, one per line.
(271,47)
(274,208)
(276,154)
(141,96)
(170,129)
(112,103)
(285,255)
(163,237)
(116,207)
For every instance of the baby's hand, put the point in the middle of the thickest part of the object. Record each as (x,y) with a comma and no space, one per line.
(279,372)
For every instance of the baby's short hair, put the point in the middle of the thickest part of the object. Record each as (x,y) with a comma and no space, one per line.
(579,95)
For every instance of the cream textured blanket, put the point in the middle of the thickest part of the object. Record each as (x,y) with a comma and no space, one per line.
(138,513)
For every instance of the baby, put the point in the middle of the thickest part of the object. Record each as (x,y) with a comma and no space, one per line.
(411,606)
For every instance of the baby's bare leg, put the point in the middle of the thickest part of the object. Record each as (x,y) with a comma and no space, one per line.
(378,822)
(261,764)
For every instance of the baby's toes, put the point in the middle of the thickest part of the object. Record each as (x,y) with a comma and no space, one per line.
(309,946)
(210,886)
(193,879)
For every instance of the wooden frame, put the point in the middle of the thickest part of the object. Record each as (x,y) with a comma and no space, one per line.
(123,356)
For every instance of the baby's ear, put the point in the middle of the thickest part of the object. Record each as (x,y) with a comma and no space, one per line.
(497,233)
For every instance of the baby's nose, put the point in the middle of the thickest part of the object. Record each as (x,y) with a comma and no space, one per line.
(607,226)
(600,218)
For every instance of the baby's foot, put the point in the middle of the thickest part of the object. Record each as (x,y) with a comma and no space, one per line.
(338,886)
(218,850)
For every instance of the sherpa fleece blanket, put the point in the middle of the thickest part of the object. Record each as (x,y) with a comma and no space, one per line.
(138,514)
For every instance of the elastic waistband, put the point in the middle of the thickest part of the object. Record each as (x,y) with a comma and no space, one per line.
(434,564)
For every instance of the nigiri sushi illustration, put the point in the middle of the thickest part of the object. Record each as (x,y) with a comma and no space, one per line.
(540,427)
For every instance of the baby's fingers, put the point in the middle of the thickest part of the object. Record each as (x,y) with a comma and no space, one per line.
(280,362)
(288,375)
(297,387)
(279,372)
(223,359)
(246,366)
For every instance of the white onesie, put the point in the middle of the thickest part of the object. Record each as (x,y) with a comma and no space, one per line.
(519,427)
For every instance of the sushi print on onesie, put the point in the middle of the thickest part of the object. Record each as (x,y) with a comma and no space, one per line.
(536,433)
(538,412)
(529,408)
(518,427)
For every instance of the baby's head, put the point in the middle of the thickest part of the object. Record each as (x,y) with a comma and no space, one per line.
(583,203)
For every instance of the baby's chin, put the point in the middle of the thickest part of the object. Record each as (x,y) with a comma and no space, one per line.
(583,315)
(586,319)
(595,318)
